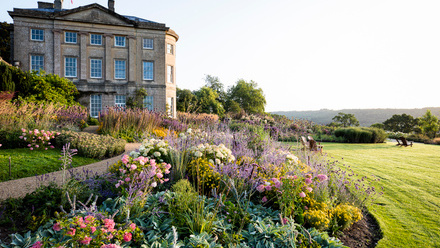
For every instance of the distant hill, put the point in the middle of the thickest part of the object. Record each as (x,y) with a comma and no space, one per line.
(366,117)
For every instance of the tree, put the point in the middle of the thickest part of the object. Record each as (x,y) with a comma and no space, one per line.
(186,101)
(247,94)
(400,123)
(429,124)
(346,120)
(214,83)
(5,41)
(207,101)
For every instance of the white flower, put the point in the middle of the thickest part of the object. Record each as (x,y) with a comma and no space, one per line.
(134,154)
(217,161)
(198,154)
(156,154)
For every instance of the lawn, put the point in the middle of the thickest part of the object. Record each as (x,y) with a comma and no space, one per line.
(409,210)
(26,163)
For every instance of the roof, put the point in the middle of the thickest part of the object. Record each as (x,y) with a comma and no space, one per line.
(52,13)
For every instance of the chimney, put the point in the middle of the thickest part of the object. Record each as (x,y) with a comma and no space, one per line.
(58,4)
(111,5)
(45,5)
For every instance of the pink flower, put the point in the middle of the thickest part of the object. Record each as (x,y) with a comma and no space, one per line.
(31,148)
(127,179)
(37,244)
(109,224)
(309,189)
(127,237)
(36,146)
(93,229)
(302,194)
(29,145)
(159,175)
(133,167)
(21,137)
(260,188)
(268,187)
(89,219)
(71,231)
(322,177)
(154,184)
(264,199)
(285,221)
(110,246)
(56,227)
(117,185)
(125,159)
(52,147)
(86,240)
(133,226)
(23,130)
(308,181)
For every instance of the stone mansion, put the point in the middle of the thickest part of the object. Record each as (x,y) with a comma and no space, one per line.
(108,56)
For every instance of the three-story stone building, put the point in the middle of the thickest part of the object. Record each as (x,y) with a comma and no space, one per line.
(109,57)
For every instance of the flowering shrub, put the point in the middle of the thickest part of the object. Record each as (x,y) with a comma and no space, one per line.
(202,171)
(162,132)
(346,215)
(38,139)
(153,148)
(214,154)
(139,173)
(317,218)
(94,231)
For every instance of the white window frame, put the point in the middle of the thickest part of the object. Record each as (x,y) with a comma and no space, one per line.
(75,59)
(117,69)
(170,74)
(95,105)
(92,40)
(148,74)
(120,101)
(40,65)
(120,43)
(70,37)
(170,48)
(148,102)
(148,43)
(37,36)
(94,62)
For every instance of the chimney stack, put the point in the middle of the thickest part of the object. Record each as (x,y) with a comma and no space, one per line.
(111,5)
(58,4)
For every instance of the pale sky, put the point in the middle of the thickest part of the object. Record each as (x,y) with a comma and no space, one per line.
(304,54)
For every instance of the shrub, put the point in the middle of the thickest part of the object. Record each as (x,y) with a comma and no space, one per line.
(361,135)
(346,215)
(91,145)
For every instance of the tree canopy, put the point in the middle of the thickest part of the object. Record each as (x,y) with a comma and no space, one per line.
(249,97)
(429,124)
(400,123)
(346,120)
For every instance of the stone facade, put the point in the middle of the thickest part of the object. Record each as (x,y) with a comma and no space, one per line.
(105,54)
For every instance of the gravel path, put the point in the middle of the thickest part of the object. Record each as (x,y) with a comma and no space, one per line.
(21,187)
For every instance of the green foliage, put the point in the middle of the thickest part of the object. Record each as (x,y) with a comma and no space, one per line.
(400,123)
(361,135)
(5,41)
(247,94)
(429,124)
(185,101)
(184,199)
(137,100)
(207,101)
(91,145)
(6,83)
(346,120)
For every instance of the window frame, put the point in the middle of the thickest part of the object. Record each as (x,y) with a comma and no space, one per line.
(147,47)
(117,69)
(66,37)
(31,64)
(145,73)
(91,68)
(94,104)
(95,44)
(124,39)
(170,76)
(118,103)
(150,105)
(170,48)
(65,67)
(35,35)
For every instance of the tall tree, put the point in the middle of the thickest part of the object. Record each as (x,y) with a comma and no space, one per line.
(247,94)
(185,101)
(214,83)
(400,123)
(429,124)
(346,120)
(207,102)
(5,41)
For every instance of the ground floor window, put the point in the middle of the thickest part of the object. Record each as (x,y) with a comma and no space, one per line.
(95,105)
(120,100)
(149,102)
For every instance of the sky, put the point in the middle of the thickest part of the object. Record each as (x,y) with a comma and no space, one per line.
(304,54)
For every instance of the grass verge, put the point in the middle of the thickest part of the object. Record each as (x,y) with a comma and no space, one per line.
(26,163)
(409,210)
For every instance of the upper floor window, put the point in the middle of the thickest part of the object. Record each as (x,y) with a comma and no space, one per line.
(37,34)
(148,70)
(70,37)
(95,39)
(96,68)
(170,48)
(147,43)
(120,69)
(120,100)
(120,41)
(37,63)
(170,78)
(70,66)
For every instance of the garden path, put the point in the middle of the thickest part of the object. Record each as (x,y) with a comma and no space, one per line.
(21,187)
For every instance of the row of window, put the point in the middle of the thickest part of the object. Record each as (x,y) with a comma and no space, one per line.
(96,68)
(96,39)
(96,103)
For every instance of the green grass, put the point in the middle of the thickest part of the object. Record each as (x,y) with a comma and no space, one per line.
(409,210)
(26,163)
